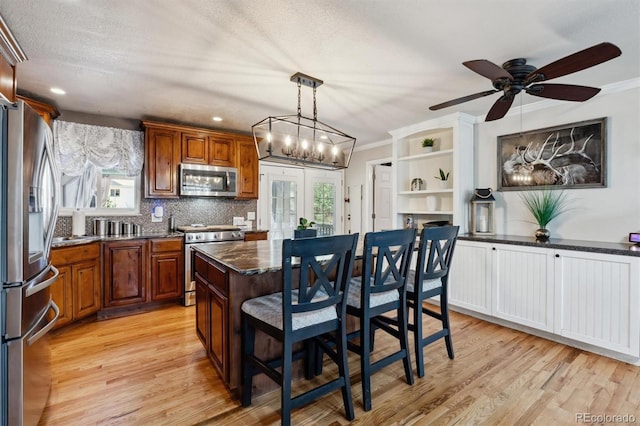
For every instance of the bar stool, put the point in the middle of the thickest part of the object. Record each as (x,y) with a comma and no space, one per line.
(309,306)
(387,257)
(430,279)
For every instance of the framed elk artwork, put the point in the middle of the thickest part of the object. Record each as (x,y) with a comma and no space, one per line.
(561,157)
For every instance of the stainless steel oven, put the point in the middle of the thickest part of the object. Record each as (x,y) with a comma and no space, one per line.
(199,234)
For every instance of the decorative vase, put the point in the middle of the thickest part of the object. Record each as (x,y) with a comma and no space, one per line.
(542,234)
(304,233)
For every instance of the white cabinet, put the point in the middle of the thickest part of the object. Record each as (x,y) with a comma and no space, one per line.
(470,278)
(592,298)
(523,289)
(597,299)
(453,153)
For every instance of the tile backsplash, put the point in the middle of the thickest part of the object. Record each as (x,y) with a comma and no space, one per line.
(208,211)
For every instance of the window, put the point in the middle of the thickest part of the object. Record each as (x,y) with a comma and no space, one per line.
(100,168)
(324,197)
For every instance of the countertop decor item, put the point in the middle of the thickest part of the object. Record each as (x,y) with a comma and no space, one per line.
(483,212)
(296,139)
(304,229)
(545,206)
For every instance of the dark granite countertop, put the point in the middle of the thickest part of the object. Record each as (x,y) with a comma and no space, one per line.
(245,257)
(558,243)
(75,241)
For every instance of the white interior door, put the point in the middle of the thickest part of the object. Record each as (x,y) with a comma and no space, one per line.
(382,193)
(281,200)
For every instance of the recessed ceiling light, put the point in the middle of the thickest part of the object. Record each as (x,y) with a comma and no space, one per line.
(216,118)
(58,91)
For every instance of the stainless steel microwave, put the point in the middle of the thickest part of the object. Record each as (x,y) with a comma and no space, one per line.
(208,181)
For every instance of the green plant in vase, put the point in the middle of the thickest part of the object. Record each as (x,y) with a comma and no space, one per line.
(443,177)
(304,229)
(427,144)
(545,206)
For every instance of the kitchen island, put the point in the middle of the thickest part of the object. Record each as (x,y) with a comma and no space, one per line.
(226,275)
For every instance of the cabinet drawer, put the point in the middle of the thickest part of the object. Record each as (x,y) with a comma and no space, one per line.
(218,277)
(73,254)
(166,244)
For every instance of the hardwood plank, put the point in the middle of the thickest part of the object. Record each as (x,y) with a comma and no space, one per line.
(152,369)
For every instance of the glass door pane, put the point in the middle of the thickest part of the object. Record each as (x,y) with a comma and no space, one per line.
(281,200)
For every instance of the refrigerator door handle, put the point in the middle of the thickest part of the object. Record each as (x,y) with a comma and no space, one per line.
(44,284)
(44,330)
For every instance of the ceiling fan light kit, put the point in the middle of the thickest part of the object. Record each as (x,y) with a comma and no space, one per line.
(300,140)
(516,76)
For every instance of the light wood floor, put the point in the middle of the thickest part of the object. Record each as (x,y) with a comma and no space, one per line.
(150,369)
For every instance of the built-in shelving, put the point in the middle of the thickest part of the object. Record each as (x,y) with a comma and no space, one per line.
(452,152)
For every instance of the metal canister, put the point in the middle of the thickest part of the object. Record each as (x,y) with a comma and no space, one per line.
(127,228)
(136,229)
(114,228)
(100,227)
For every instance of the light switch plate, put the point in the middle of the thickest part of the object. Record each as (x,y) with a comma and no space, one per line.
(251,215)
(237,221)
(155,218)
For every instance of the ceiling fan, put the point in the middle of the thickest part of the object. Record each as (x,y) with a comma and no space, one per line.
(515,75)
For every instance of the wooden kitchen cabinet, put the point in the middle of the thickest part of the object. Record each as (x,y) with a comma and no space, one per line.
(78,290)
(195,148)
(247,164)
(10,55)
(212,312)
(162,157)
(167,268)
(167,145)
(125,273)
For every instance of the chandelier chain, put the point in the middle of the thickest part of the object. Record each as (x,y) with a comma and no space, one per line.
(299,109)
(315,109)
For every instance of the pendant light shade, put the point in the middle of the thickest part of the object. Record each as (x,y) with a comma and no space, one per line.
(296,139)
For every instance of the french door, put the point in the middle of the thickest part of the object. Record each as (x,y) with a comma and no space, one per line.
(288,193)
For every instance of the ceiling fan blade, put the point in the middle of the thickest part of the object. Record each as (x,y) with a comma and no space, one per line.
(462,100)
(500,108)
(565,92)
(487,69)
(581,60)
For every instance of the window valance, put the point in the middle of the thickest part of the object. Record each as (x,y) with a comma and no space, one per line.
(78,147)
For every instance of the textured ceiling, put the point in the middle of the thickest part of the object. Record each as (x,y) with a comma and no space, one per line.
(383,62)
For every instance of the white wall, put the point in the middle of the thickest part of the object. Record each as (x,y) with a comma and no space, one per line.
(598,214)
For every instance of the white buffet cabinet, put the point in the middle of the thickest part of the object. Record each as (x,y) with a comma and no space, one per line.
(580,298)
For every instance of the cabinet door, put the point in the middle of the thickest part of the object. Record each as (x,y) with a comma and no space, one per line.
(523,279)
(218,346)
(61,293)
(167,276)
(125,273)
(597,299)
(470,277)
(247,164)
(222,151)
(8,84)
(86,288)
(162,156)
(202,311)
(195,148)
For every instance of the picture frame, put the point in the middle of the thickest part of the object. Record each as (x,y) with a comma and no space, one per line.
(568,156)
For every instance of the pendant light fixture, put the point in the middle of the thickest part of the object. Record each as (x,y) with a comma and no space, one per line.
(296,139)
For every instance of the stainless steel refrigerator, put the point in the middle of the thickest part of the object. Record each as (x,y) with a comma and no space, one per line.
(28,212)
